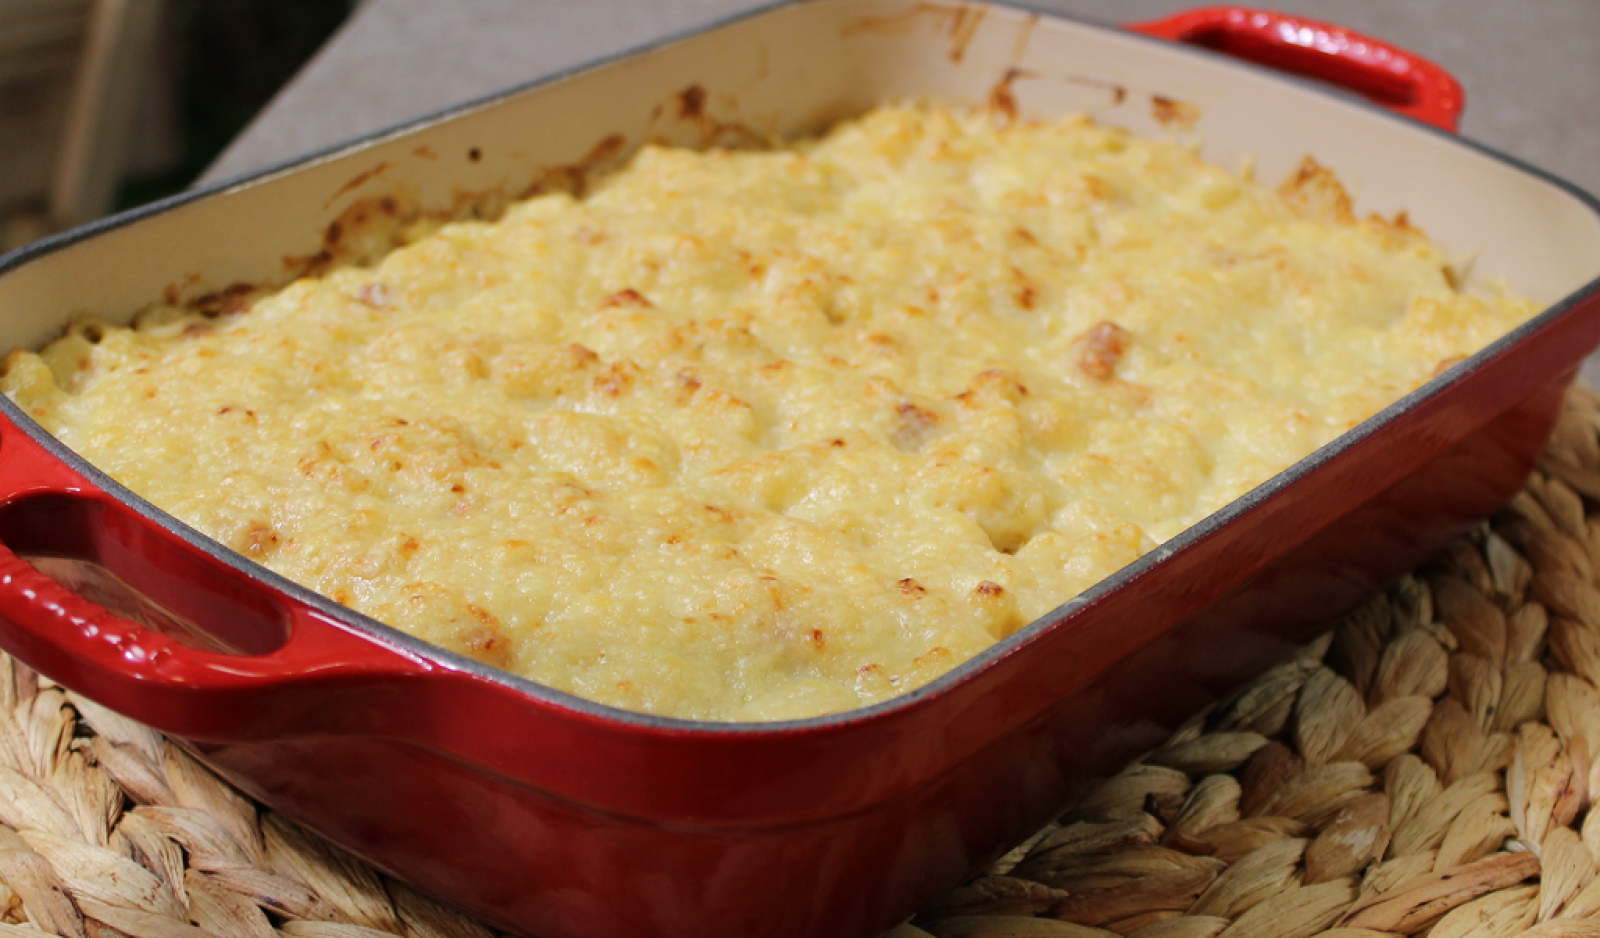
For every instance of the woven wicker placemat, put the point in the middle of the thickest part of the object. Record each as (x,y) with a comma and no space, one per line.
(1423,769)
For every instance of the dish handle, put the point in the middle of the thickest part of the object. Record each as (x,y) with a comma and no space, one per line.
(1389,75)
(123,609)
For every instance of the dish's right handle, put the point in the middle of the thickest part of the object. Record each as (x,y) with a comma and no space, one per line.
(1399,80)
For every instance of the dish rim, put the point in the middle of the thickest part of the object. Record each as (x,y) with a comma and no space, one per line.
(402,643)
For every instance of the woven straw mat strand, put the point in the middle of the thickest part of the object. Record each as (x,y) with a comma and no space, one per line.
(1423,769)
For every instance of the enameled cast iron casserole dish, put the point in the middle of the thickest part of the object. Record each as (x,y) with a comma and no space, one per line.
(550,815)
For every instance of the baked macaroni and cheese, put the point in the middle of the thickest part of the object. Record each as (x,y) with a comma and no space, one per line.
(758,435)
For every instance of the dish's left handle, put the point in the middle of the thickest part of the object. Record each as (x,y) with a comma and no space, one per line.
(1396,78)
(129,612)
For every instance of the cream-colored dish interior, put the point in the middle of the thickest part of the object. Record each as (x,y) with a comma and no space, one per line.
(759,435)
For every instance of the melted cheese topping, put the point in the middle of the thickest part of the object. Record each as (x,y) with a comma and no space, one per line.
(762,435)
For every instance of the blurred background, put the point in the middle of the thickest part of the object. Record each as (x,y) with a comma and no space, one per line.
(106,104)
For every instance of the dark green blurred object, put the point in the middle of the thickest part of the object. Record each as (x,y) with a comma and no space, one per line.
(234,55)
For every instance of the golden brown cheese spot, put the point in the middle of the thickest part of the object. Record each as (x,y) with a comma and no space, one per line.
(1102,348)
(449,619)
(1315,192)
(992,386)
(628,297)
(766,434)
(1025,293)
(913,426)
(487,644)
(618,378)
(258,541)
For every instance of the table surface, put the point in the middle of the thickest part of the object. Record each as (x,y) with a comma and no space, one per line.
(1530,70)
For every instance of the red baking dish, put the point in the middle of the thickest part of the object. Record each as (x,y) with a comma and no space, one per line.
(552,816)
